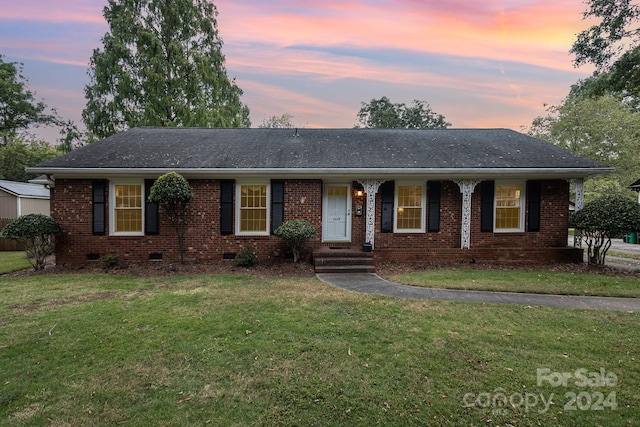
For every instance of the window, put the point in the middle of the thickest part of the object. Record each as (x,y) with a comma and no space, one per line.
(127,209)
(509,212)
(410,200)
(253,213)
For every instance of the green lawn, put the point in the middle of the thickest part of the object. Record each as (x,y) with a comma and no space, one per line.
(530,281)
(79,350)
(13,261)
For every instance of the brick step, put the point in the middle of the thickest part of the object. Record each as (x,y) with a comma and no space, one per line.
(343,261)
(345,269)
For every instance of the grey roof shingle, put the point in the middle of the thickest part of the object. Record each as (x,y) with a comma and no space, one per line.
(201,148)
(23,189)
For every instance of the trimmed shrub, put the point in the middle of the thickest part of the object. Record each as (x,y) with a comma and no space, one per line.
(605,218)
(35,233)
(172,192)
(294,232)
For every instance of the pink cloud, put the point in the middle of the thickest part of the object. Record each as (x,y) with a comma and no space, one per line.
(58,11)
(538,33)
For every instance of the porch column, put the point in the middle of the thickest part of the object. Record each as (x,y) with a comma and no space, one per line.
(466,188)
(371,187)
(578,185)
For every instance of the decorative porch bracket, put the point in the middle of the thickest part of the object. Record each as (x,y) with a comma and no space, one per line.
(371,187)
(578,185)
(466,188)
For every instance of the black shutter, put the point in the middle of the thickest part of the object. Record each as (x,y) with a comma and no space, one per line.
(99,207)
(226,207)
(386,198)
(534,196)
(151,222)
(486,208)
(433,193)
(277,204)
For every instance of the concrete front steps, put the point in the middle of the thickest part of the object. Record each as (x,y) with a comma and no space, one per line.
(343,260)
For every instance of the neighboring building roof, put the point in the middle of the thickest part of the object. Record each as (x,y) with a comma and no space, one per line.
(42,180)
(635,186)
(23,189)
(379,151)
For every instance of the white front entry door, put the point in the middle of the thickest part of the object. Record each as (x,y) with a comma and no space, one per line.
(337,213)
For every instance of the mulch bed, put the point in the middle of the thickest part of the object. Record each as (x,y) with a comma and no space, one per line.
(286,268)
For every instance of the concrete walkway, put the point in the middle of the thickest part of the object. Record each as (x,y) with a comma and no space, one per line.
(374,284)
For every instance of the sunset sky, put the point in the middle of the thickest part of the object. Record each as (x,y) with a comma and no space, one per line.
(485,63)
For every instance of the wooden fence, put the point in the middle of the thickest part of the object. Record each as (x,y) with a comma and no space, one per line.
(7,244)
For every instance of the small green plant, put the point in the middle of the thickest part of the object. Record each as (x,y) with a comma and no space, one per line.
(246,257)
(294,232)
(110,261)
(35,232)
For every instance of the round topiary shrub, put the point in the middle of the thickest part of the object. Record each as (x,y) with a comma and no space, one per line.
(173,193)
(34,232)
(604,218)
(294,232)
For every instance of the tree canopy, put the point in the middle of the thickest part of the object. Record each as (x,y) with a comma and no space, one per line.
(621,80)
(17,155)
(616,31)
(19,108)
(161,65)
(605,129)
(382,113)
(285,121)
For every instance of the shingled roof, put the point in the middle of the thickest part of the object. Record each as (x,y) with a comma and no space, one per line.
(320,150)
(23,189)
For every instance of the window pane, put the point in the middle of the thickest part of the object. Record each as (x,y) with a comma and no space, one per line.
(409,218)
(507,218)
(409,214)
(508,207)
(128,208)
(253,208)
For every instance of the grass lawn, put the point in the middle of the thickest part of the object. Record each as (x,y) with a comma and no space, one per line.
(13,261)
(79,350)
(531,281)
(622,254)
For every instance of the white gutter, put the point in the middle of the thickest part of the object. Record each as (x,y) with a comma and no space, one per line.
(326,172)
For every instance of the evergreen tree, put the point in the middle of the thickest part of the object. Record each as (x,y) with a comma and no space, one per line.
(161,65)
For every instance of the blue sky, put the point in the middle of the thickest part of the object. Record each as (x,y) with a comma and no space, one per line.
(482,64)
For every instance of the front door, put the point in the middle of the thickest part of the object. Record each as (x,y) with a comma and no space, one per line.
(337,213)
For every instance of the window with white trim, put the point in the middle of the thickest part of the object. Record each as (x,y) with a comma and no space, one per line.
(252,209)
(509,207)
(410,207)
(127,208)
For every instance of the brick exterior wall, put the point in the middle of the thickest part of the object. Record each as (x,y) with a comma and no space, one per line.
(549,244)
(72,208)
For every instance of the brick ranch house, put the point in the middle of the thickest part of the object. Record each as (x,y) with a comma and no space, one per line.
(454,194)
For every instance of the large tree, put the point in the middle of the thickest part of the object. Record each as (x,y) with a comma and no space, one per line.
(621,79)
(382,113)
(616,31)
(17,155)
(161,65)
(604,128)
(19,108)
